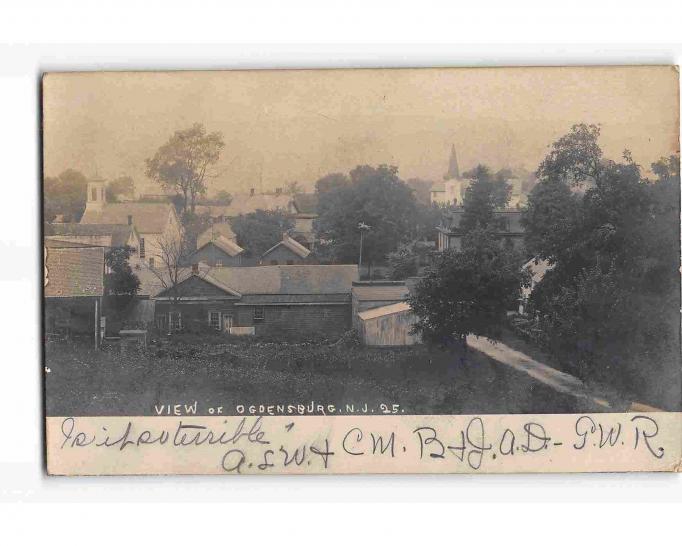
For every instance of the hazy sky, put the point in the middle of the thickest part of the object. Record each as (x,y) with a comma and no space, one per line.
(281,126)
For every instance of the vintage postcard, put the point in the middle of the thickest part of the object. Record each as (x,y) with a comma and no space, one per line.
(362,271)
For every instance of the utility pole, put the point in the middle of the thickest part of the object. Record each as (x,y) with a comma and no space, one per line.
(362,227)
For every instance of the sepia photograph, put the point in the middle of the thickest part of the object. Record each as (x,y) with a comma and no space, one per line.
(343,272)
(375,242)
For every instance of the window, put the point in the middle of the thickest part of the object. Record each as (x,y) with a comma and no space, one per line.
(228,322)
(290,262)
(175,319)
(94,194)
(219,263)
(258,314)
(214,320)
(151,262)
(273,262)
(141,247)
(162,323)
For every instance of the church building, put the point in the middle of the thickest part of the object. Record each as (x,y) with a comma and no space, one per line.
(157,224)
(451,190)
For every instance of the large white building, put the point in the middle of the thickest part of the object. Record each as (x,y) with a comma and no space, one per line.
(157,224)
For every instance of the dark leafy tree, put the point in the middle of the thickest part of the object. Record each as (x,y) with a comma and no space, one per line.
(574,158)
(403,263)
(331,182)
(182,163)
(259,231)
(468,291)
(120,279)
(376,197)
(65,195)
(421,189)
(610,307)
(485,194)
(550,219)
(426,219)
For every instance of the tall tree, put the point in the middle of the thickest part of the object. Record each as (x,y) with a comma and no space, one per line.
(181,164)
(259,231)
(575,158)
(485,194)
(610,306)
(376,197)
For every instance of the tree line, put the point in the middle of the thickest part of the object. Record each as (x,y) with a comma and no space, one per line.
(608,309)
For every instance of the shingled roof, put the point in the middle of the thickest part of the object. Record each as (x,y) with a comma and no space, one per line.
(118,233)
(226,245)
(246,204)
(218,229)
(269,279)
(293,245)
(288,279)
(74,272)
(147,217)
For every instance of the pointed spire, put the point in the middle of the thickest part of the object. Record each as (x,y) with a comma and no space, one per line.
(453,167)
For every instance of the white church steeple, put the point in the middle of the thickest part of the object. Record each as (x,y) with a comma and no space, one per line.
(96,200)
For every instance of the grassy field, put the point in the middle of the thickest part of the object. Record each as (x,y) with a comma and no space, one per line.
(82,381)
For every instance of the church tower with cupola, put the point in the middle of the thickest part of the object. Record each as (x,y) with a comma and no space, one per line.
(97,194)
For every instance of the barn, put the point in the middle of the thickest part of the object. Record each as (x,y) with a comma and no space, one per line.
(388,326)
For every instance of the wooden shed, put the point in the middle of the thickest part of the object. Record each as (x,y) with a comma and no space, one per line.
(388,326)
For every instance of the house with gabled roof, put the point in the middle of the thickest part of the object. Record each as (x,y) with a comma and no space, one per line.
(304,218)
(288,251)
(156,223)
(217,229)
(297,300)
(218,252)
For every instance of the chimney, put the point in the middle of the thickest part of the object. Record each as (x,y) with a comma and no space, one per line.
(130,219)
(195,269)
(253,191)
